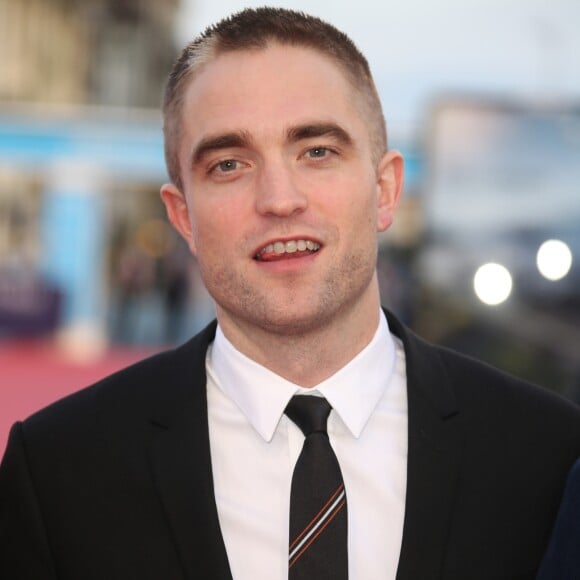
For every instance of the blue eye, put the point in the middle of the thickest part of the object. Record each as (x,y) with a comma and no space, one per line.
(227,165)
(317,152)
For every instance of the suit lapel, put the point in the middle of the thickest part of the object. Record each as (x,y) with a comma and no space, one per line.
(433,463)
(181,464)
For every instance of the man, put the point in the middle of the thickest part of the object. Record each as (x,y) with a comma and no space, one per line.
(184,466)
(562,559)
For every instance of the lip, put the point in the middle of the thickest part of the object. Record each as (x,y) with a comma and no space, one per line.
(291,266)
(285,239)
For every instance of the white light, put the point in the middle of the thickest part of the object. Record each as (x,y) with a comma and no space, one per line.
(492,284)
(554,259)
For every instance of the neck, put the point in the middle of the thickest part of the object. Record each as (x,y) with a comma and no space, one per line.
(309,357)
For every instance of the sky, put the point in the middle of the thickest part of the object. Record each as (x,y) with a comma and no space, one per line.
(421,49)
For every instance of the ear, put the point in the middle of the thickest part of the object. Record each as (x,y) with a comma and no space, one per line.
(178,213)
(389,187)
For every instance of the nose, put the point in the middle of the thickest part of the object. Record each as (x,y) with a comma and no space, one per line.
(278,191)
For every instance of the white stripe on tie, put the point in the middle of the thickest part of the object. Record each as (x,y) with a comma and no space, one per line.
(318,524)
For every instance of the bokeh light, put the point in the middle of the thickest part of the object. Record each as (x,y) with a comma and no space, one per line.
(554,259)
(492,283)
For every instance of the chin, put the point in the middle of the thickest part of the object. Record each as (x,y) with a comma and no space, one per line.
(294,320)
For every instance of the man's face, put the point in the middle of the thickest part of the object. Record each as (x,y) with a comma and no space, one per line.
(281,202)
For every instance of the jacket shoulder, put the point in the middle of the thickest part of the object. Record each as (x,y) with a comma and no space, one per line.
(162,379)
(456,384)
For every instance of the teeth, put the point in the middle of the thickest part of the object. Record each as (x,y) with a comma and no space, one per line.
(290,247)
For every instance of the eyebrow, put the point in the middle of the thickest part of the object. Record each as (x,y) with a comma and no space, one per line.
(218,142)
(311,131)
(242,139)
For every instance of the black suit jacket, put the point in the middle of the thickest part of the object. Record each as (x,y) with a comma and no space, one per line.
(562,560)
(115,482)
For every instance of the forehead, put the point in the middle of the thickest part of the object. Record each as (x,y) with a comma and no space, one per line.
(252,89)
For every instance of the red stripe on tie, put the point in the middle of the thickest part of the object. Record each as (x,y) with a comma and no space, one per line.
(322,528)
(313,521)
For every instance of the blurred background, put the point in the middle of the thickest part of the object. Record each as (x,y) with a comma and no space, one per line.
(482,97)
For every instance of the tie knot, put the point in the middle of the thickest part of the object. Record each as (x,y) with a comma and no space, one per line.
(308,412)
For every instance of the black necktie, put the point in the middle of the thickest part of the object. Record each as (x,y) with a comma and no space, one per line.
(318,523)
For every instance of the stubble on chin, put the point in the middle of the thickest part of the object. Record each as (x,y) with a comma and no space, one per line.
(297,310)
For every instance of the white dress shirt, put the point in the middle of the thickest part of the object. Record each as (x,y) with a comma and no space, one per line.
(254,447)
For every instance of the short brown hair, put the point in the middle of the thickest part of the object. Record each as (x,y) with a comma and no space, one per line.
(253,29)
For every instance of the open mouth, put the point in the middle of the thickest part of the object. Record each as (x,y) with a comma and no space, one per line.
(287,250)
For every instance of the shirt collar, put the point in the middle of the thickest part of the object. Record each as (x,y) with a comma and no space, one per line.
(261,395)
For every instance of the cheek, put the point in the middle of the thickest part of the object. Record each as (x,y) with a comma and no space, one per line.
(361,204)
(215,227)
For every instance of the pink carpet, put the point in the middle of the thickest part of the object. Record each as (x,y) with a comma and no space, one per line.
(36,373)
